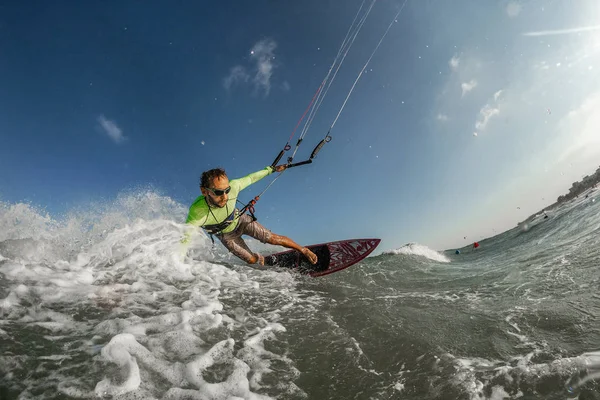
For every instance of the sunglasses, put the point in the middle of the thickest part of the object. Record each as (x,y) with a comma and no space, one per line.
(219,192)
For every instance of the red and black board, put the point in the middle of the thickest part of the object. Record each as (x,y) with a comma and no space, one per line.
(332,256)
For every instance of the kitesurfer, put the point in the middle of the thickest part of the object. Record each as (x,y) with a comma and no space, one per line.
(216,213)
(475,245)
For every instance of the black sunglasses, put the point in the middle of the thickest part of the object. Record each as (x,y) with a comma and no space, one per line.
(219,192)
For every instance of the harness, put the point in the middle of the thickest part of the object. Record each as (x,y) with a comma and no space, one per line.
(216,229)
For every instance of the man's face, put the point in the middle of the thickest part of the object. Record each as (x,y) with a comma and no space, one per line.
(219,185)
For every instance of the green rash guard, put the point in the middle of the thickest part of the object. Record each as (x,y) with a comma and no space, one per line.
(201,215)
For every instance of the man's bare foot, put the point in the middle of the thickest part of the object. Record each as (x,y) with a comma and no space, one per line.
(312,257)
(261,260)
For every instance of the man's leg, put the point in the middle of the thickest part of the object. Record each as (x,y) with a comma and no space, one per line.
(236,245)
(253,228)
(290,244)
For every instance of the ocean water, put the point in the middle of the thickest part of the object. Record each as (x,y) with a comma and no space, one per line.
(101,304)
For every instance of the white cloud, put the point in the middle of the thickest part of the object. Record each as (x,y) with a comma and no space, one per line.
(111,129)
(488,111)
(563,31)
(237,75)
(485,114)
(454,62)
(513,9)
(442,117)
(468,86)
(262,56)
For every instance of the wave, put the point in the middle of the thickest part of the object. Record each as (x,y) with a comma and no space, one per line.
(415,249)
(155,320)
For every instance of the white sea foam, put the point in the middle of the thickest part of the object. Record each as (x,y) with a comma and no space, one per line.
(478,375)
(419,250)
(165,328)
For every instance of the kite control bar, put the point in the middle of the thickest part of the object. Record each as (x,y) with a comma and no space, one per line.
(299,164)
(309,161)
(250,206)
(286,148)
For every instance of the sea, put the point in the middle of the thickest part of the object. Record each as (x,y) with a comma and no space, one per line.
(106,304)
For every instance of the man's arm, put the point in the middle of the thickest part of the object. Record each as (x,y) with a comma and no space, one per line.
(196,219)
(254,177)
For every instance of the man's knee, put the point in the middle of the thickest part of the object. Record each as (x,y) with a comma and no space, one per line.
(277,239)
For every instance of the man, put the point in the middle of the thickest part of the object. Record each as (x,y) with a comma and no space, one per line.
(215,212)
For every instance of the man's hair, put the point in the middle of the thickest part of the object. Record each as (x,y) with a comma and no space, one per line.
(208,176)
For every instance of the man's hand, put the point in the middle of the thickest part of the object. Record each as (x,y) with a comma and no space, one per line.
(280,168)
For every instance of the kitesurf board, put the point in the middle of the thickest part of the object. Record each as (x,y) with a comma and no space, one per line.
(333,256)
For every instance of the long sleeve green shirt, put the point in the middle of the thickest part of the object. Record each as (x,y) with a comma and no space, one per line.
(202,214)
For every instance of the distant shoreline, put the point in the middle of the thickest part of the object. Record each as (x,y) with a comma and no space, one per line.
(587,182)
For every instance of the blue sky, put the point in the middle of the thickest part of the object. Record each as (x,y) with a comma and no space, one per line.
(101,97)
